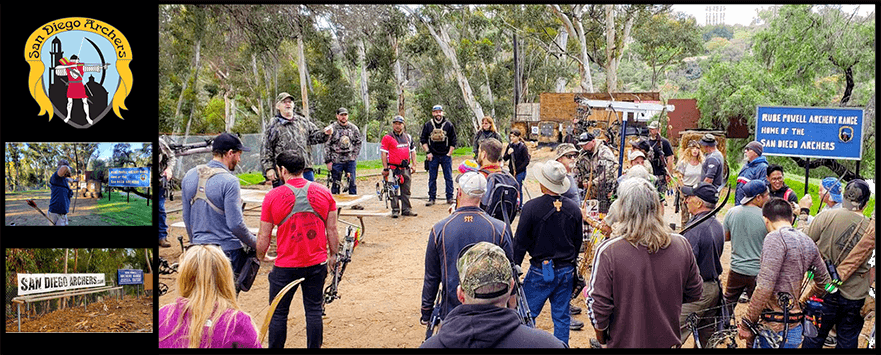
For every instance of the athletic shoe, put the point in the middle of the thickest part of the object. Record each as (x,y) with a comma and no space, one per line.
(409,213)
(574,310)
(429,203)
(575,324)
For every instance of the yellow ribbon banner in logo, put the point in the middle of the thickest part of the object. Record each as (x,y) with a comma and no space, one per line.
(33,53)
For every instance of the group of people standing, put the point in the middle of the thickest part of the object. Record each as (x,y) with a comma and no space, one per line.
(644,280)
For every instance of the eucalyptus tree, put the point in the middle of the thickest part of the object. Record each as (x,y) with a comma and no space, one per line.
(665,40)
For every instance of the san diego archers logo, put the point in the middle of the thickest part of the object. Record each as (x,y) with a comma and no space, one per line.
(79,70)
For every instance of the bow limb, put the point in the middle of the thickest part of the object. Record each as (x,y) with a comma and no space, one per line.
(101,56)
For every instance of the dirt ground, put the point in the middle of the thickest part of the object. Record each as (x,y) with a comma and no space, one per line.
(108,315)
(18,213)
(382,286)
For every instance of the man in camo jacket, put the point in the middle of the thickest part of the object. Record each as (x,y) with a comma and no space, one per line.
(596,167)
(289,131)
(341,151)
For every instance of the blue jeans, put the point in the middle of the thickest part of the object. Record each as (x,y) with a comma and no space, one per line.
(307,174)
(313,299)
(520,177)
(337,175)
(446,163)
(844,314)
(791,341)
(163,227)
(559,291)
(237,258)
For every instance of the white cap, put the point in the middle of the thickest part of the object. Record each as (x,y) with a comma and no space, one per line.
(472,183)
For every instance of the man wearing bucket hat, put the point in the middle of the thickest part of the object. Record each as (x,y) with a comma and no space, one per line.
(289,131)
(756,168)
(567,154)
(483,320)
(830,193)
(745,228)
(836,232)
(550,229)
(468,224)
(212,207)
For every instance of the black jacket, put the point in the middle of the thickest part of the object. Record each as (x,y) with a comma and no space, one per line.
(488,326)
(519,159)
(443,147)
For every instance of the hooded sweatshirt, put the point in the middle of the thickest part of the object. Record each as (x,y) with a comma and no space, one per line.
(756,169)
(488,326)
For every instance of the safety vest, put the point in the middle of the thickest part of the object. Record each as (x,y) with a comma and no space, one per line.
(205,173)
(301,202)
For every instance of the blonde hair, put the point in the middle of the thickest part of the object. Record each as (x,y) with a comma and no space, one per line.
(641,222)
(492,123)
(685,150)
(206,282)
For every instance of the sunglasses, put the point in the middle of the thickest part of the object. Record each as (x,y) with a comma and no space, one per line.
(571,155)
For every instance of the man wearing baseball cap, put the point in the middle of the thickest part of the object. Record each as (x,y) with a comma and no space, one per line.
(289,131)
(745,228)
(756,168)
(483,320)
(707,240)
(398,155)
(468,224)
(596,170)
(439,139)
(341,151)
(662,159)
(212,208)
(550,229)
(836,232)
(713,169)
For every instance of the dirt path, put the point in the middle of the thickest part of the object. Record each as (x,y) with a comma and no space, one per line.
(108,315)
(382,287)
(18,213)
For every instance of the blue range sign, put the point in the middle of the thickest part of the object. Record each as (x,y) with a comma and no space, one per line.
(129,277)
(833,133)
(129,177)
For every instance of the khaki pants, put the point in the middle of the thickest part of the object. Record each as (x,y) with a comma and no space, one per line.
(58,219)
(706,309)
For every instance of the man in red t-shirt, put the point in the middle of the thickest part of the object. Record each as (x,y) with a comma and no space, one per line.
(398,152)
(306,216)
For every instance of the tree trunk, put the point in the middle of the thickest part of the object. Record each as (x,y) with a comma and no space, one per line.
(576,30)
(848,88)
(301,66)
(611,62)
(400,81)
(362,69)
(489,89)
(562,40)
(443,40)
(193,70)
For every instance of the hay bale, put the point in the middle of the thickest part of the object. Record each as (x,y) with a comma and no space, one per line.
(688,136)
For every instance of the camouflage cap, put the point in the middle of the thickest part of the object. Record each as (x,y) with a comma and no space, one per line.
(484,264)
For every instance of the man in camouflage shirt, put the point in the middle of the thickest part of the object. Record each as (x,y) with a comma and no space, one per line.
(341,151)
(595,170)
(288,131)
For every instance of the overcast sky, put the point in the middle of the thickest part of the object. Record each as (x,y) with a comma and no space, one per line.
(743,14)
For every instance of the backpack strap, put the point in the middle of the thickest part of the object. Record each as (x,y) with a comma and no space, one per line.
(301,202)
(787,194)
(205,173)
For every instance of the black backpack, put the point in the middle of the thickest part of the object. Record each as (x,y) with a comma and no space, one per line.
(502,197)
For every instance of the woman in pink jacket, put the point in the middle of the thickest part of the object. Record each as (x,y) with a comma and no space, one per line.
(208,298)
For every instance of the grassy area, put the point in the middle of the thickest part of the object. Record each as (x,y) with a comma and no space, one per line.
(797,184)
(256,177)
(118,212)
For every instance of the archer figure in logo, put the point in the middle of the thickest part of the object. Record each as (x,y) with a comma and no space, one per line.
(75,87)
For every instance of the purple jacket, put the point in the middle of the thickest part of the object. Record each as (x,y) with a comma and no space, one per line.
(238,330)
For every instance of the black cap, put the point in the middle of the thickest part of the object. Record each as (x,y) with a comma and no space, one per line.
(227,141)
(585,138)
(703,191)
(708,139)
(856,194)
(341,111)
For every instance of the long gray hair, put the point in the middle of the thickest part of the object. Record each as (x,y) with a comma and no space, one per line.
(639,219)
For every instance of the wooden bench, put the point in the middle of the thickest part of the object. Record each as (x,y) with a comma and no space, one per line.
(27,300)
